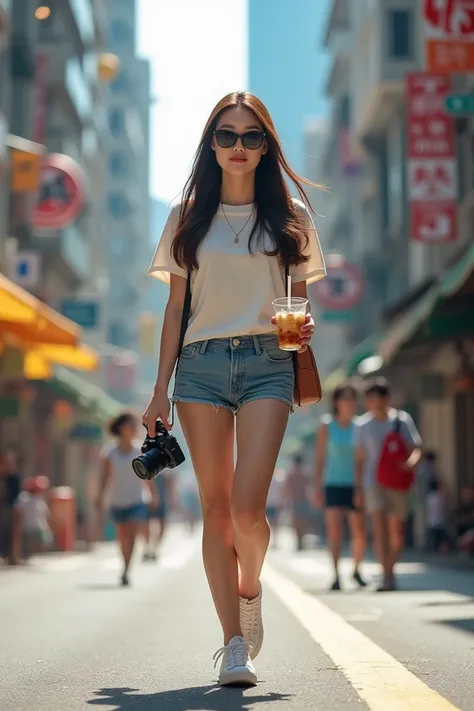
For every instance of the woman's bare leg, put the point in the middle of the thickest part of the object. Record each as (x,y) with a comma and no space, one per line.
(209,433)
(261,425)
(357,528)
(335,532)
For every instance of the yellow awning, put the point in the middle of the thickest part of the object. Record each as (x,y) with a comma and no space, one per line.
(80,357)
(29,319)
(36,367)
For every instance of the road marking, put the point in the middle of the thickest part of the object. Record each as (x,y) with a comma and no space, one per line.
(379,679)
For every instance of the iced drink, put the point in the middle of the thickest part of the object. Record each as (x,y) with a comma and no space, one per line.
(289,319)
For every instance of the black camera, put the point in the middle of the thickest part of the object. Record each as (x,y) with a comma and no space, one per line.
(158,453)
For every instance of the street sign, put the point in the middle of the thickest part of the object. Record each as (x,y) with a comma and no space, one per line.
(448,34)
(343,287)
(431,159)
(84,313)
(25,269)
(460,104)
(61,193)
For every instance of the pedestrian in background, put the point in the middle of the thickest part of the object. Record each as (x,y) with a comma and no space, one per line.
(381,434)
(235,233)
(335,480)
(158,515)
(129,496)
(10,519)
(275,502)
(436,518)
(36,516)
(297,497)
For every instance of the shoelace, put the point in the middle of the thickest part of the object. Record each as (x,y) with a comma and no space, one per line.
(249,616)
(238,653)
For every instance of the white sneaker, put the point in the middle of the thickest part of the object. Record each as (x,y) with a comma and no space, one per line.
(251,623)
(237,668)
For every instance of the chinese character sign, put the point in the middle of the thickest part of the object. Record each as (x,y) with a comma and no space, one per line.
(431,159)
(448,28)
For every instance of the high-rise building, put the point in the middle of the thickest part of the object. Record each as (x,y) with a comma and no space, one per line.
(286,67)
(127,199)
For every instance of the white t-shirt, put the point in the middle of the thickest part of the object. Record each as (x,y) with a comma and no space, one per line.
(35,512)
(126,489)
(233,290)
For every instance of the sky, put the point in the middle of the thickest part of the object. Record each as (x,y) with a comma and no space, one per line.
(198,50)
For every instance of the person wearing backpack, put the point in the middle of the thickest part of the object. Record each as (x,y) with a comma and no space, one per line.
(388,447)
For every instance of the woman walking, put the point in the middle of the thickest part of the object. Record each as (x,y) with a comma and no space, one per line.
(335,463)
(235,232)
(129,496)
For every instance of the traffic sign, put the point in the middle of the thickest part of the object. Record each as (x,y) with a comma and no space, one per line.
(460,104)
(343,287)
(25,269)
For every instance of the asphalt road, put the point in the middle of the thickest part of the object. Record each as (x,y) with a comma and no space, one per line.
(70,639)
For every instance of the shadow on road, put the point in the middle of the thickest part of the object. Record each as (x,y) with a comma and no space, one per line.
(197,698)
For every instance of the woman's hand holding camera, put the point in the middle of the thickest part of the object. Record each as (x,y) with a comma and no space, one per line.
(157,409)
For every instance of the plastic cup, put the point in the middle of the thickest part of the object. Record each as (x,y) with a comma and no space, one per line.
(290,316)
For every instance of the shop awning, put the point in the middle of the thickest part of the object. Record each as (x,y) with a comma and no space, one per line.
(87,395)
(366,348)
(24,316)
(79,357)
(405,327)
(39,360)
(335,378)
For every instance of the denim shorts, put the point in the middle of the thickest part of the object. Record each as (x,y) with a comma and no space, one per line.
(125,514)
(229,372)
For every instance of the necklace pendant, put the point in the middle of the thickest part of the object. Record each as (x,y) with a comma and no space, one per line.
(236,240)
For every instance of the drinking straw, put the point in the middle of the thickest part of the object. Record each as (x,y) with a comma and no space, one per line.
(289,291)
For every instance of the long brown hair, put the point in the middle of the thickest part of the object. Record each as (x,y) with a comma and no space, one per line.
(275,210)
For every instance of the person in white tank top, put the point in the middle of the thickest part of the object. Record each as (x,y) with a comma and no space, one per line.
(128,496)
(236,233)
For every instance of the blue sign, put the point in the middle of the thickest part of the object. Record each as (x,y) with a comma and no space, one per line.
(84,313)
(85,431)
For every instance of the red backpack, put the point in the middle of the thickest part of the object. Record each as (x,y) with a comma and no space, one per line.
(391,471)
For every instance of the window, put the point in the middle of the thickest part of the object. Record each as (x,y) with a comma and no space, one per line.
(400,34)
(118,206)
(120,33)
(119,165)
(120,84)
(116,121)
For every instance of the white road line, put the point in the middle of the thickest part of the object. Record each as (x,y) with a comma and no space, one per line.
(379,679)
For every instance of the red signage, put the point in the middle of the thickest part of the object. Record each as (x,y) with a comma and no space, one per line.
(449,35)
(343,287)
(431,159)
(61,193)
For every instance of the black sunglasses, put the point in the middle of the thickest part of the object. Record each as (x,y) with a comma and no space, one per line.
(250,139)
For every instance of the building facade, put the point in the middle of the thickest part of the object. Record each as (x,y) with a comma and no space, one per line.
(52,233)
(413,324)
(127,220)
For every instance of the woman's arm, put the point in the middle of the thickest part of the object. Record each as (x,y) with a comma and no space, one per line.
(104,481)
(159,406)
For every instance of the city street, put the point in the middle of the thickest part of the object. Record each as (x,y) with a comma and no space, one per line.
(71,639)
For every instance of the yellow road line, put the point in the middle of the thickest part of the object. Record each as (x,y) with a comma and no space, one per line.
(379,679)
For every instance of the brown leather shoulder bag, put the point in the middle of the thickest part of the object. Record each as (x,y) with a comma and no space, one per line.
(308,390)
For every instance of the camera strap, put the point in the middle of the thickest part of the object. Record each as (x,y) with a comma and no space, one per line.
(184,327)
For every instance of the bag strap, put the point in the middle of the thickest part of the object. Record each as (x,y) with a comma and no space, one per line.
(184,327)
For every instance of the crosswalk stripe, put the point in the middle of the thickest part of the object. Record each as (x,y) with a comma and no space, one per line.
(379,679)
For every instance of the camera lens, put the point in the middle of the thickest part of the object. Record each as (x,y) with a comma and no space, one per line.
(139,469)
